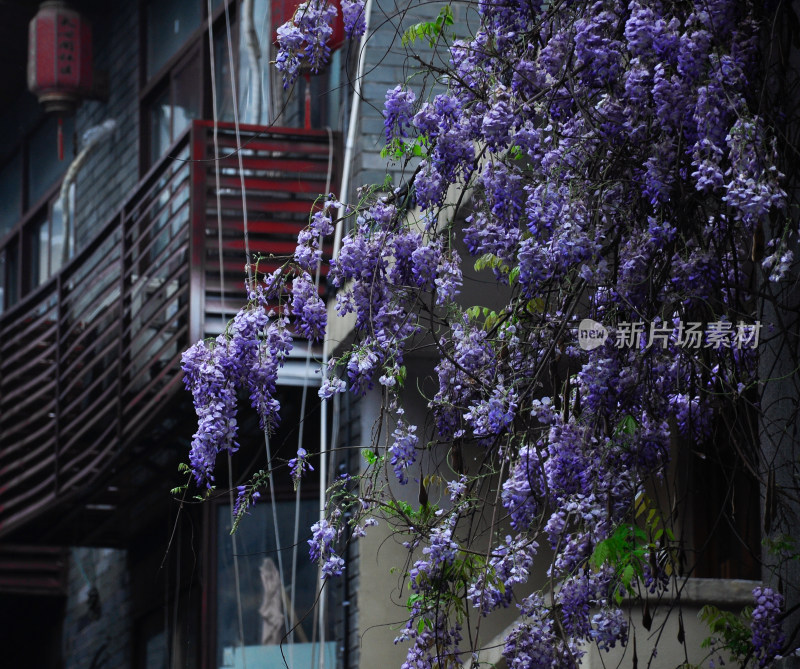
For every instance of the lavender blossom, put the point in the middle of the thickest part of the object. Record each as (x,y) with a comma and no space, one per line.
(398,112)
(765,625)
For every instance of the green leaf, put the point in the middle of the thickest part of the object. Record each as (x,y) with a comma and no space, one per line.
(627,575)
(600,554)
(535,306)
(473,312)
(484,261)
(431,30)
(413,599)
(370,456)
(627,425)
(491,261)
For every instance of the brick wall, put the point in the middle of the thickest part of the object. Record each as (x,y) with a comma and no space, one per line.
(113,168)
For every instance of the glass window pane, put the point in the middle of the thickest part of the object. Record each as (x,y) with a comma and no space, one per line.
(169,25)
(10,194)
(187,99)
(223,76)
(2,280)
(38,249)
(262,594)
(11,273)
(56,238)
(44,167)
(160,126)
(156,651)
(44,252)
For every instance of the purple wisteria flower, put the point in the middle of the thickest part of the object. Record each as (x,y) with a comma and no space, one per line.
(321,548)
(594,156)
(398,111)
(215,404)
(765,625)
(299,464)
(403,449)
(355,20)
(308,307)
(305,38)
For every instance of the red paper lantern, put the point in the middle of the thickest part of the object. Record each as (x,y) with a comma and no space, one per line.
(283,11)
(59,57)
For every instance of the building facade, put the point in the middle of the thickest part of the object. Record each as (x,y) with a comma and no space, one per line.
(113,260)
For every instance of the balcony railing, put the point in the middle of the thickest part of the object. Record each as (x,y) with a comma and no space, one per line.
(90,358)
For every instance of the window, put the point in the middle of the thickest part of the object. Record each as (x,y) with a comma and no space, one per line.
(176,56)
(265,575)
(178,101)
(44,245)
(170,23)
(9,276)
(726,514)
(266,599)
(10,194)
(31,224)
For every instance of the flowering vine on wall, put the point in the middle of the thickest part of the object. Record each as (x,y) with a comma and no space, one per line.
(602,160)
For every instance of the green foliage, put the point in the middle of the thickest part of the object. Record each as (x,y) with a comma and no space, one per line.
(628,547)
(180,490)
(627,426)
(403,510)
(782,545)
(259,480)
(398,149)
(370,456)
(429,30)
(729,632)
(490,317)
(491,261)
(399,374)
(625,551)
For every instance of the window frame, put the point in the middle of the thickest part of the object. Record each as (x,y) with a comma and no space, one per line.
(19,238)
(19,235)
(246,461)
(152,88)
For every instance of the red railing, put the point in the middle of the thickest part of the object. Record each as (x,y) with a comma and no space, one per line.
(89,360)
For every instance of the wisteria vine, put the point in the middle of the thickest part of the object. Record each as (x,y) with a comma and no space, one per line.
(599,160)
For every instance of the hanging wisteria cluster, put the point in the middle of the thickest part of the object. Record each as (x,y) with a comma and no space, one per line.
(598,160)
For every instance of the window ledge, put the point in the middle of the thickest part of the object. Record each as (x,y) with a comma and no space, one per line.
(722,591)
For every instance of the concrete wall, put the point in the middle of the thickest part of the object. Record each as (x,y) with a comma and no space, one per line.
(388,64)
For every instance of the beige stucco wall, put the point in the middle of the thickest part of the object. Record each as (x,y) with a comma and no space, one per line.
(696,592)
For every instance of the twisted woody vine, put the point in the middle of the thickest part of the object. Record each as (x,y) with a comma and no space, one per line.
(627,162)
